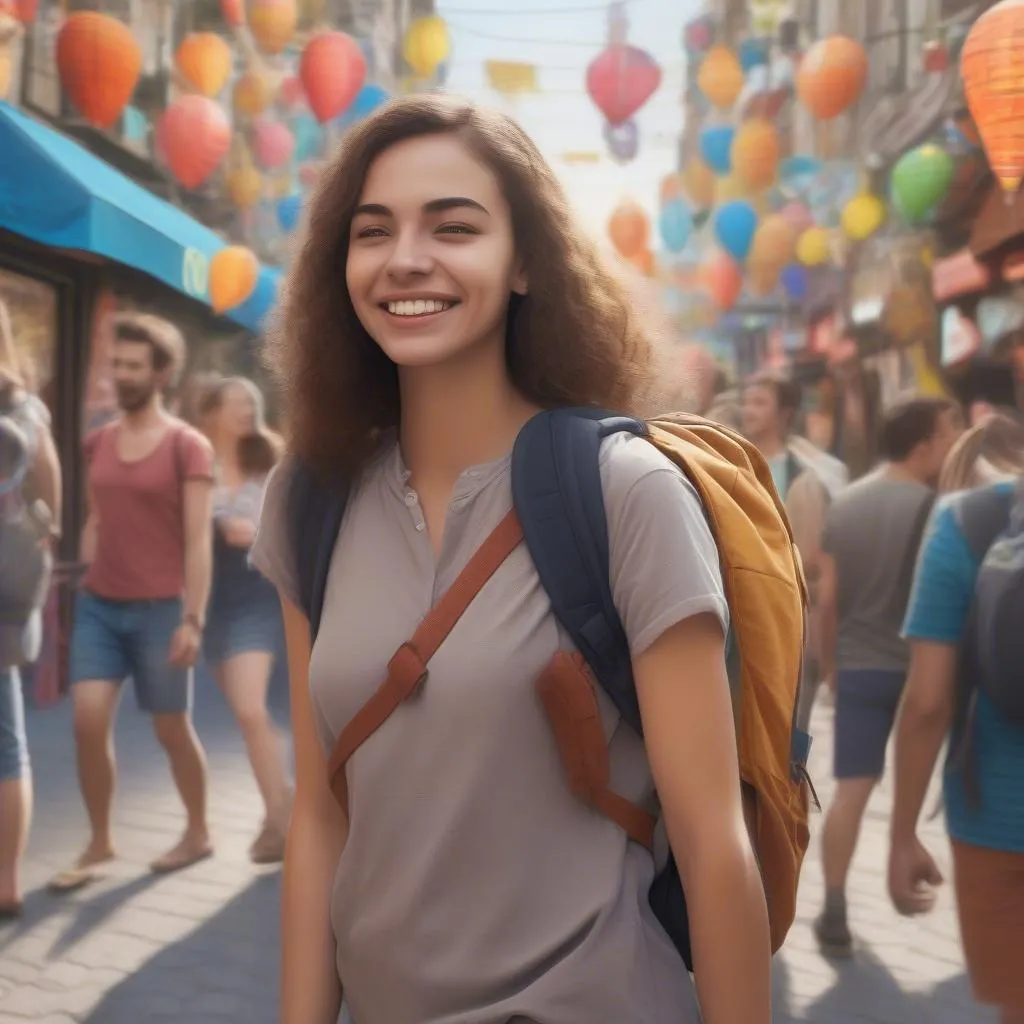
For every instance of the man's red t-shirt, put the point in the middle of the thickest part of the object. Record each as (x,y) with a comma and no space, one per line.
(140,544)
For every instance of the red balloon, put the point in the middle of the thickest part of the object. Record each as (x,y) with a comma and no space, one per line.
(233,12)
(333,70)
(194,135)
(621,80)
(292,93)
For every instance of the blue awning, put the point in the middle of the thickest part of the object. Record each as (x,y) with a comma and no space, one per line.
(55,191)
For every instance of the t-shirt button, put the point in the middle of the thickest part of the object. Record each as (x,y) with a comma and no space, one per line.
(419,527)
(410,498)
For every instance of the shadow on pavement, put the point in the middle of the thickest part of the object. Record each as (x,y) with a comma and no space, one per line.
(225,970)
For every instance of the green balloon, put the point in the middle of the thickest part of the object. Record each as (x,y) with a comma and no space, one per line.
(920,180)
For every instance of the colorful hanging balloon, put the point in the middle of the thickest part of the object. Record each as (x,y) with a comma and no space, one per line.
(863,216)
(426,45)
(672,186)
(794,282)
(245,186)
(812,247)
(291,94)
(754,53)
(629,230)
(309,137)
(699,183)
(272,23)
(675,225)
(992,66)
(623,140)
(99,63)
(252,94)
(831,76)
(289,210)
(368,99)
(644,262)
(716,147)
(233,274)
(755,153)
(195,136)
(798,215)
(621,80)
(720,77)
(233,13)
(920,181)
(333,69)
(204,60)
(273,144)
(735,224)
(723,280)
(773,247)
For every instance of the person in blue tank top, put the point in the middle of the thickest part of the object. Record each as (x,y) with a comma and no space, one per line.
(987,835)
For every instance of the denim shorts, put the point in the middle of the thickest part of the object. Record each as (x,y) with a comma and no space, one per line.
(866,704)
(242,625)
(115,640)
(13,740)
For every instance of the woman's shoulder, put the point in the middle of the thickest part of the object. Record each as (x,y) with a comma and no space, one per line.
(631,465)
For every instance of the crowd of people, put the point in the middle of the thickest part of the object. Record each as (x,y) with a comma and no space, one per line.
(440,301)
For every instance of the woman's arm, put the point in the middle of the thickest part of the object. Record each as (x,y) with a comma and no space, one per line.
(689,729)
(310,990)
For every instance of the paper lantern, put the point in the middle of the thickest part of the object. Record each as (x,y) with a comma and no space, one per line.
(629,230)
(755,153)
(273,144)
(426,45)
(272,23)
(735,224)
(252,94)
(195,136)
(723,281)
(831,76)
(333,69)
(99,63)
(699,183)
(675,225)
(992,66)
(233,275)
(245,186)
(621,80)
(720,77)
(716,147)
(920,181)
(812,248)
(863,216)
(204,60)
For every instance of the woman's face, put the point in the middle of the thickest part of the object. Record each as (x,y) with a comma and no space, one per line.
(237,415)
(759,411)
(432,259)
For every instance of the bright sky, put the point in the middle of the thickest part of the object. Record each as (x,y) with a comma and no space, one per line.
(561,37)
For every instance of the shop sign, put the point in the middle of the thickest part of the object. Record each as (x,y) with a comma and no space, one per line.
(195,273)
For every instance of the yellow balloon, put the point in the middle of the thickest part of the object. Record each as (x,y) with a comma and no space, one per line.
(233,274)
(812,248)
(426,44)
(245,186)
(863,216)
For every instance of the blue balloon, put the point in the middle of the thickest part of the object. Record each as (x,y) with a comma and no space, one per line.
(308,137)
(369,98)
(794,280)
(799,167)
(676,225)
(753,54)
(716,148)
(735,225)
(289,210)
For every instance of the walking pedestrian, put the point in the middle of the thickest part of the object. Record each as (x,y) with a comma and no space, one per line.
(963,627)
(869,547)
(30,510)
(441,301)
(243,627)
(142,606)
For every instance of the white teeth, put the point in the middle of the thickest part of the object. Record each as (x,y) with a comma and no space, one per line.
(417,307)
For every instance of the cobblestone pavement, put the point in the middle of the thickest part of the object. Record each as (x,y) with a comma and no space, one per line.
(201,947)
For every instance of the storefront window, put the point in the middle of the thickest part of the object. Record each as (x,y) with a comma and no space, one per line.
(33,308)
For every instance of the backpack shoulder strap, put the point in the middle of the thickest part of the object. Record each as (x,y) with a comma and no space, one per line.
(982,515)
(556,489)
(314,513)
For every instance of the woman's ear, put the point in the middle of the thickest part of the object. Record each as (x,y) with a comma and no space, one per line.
(519,284)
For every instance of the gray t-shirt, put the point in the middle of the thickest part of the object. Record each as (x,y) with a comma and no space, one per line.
(474,888)
(868,532)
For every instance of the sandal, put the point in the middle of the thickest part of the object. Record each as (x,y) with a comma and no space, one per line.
(74,878)
(168,864)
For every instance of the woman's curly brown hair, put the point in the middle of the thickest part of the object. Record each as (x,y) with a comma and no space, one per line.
(573,340)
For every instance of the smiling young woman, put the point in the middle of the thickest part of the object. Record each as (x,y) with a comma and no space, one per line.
(441,298)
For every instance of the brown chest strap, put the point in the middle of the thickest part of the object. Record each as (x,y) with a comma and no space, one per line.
(407,670)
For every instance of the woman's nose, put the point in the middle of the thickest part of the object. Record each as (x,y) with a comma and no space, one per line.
(410,256)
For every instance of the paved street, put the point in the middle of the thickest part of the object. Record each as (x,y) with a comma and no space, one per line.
(201,948)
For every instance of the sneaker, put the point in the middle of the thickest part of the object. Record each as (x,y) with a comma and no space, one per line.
(833,935)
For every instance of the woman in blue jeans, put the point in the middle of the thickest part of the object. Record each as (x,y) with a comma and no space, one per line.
(243,629)
(32,445)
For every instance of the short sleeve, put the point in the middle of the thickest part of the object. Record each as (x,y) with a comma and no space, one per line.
(829,531)
(197,455)
(90,444)
(944,581)
(664,560)
(271,551)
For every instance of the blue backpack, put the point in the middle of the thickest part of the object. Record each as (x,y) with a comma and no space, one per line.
(559,502)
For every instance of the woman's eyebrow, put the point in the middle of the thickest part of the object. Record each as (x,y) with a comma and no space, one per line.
(433,206)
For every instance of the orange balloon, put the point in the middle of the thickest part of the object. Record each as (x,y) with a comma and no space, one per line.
(272,23)
(671,187)
(774,243)
(723,280)
(99,63)
(233,274)
(204,60)
(720,77)
(644,262)
(629,230)
(755,153)
(245,186)
(195,136)
(252,94)
(699,183)
(992,64)
(831,76)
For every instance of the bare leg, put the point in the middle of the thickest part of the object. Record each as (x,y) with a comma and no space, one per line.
(95,704)
(15,819)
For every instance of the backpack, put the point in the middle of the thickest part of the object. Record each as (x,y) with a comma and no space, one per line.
(558,509)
